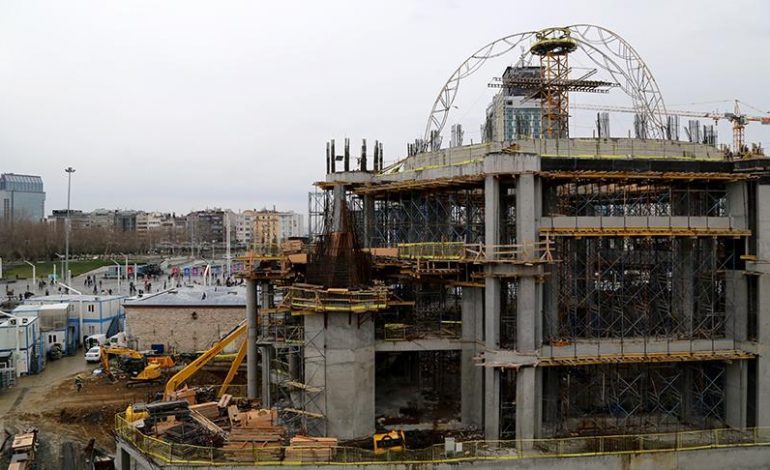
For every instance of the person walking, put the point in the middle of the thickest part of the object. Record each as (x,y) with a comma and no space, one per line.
(78,382)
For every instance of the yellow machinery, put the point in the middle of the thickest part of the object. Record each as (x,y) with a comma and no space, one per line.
(393,441)
(147,369)
(180,377)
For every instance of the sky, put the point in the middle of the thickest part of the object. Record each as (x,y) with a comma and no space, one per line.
(179,105)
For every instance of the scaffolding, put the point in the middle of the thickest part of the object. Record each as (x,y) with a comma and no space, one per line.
(612,398)
(642,287)
(449,216)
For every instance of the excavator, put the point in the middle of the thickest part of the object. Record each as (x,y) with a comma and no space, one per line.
(140,411)
(141,369)
(188,371)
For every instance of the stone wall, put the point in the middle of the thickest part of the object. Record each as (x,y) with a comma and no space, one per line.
(181,329)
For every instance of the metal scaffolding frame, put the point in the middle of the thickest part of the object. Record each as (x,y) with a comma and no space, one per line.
(625,398)
(428,310)
(410,217)
(319,204)
(636,198)
(303,407)
(642,287)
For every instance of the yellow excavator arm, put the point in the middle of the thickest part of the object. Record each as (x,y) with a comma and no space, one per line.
(180,377)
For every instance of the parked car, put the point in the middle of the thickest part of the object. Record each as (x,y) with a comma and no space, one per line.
(93,354)
(55,352)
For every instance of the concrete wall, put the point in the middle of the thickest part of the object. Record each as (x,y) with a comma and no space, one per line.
(176,328)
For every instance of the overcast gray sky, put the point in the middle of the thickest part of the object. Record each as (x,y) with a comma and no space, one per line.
(180,105)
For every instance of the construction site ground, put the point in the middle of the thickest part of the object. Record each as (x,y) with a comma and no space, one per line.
(68,419)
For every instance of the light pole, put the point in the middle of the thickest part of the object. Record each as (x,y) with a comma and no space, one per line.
(62,276)
(69,170)
(34,273)
(126,257)
(118,265)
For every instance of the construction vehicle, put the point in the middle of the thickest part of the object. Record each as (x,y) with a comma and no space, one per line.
(391,441)
(141,369)
(188,371)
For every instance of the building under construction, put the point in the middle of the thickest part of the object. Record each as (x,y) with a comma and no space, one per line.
(533,287)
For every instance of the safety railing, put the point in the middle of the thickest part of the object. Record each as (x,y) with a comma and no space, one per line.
(318,300)
(525,253)
(276,332)
(164,452)
(450,329)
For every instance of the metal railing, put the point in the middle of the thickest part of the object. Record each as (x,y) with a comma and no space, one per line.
(255,454)
(322,300)
(450,329)
(525,253)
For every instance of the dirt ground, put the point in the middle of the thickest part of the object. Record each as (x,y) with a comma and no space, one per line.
(65,417)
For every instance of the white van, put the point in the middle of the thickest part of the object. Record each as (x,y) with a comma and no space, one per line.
(102,340)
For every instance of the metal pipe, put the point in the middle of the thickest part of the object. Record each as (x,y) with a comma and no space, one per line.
(118,265)
(67,224)
(34,273)
(251,351)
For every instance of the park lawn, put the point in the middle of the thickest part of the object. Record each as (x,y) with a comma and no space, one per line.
(44,268)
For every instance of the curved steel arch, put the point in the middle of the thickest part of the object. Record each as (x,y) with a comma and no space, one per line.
(446,96)
(639,84)
(603,47)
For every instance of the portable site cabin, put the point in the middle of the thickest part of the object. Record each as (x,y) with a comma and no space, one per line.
(7,370)
(21,336)
(55,326)
(91,314)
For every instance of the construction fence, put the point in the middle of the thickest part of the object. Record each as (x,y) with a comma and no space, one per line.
(164,452)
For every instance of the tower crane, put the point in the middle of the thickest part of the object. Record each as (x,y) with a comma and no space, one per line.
(737,118)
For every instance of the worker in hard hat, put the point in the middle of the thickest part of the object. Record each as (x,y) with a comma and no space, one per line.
(78,382)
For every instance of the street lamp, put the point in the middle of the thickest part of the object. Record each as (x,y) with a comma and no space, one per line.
(126,257)
(69,170)
(34,273)
(118,265)
(62,275)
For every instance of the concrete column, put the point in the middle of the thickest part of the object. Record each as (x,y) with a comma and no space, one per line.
(736,388)
(762,236)
(737,205)
(528,318)
(472,376)
(339,200)
(369,222)
(491,404)
(492,298)
(339,373)
(550,288)
(736,311)
(265,302)
(529,402)
(492,210)
(267,359)
(683,283)
(251,350)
